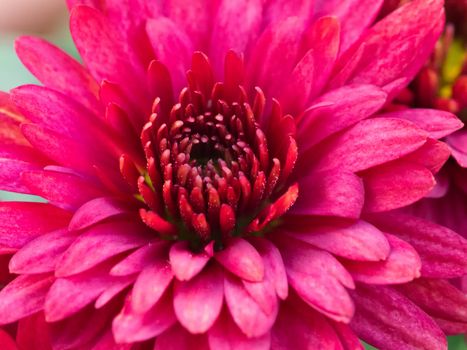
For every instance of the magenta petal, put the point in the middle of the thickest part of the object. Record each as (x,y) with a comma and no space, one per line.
(67,191)
(139,259)
(441,250)
(391,43)
(105,241)
(369,143)
(10,175)
(432,155)
(401,266)
(7,341)
(395,185)
(178,338)
(346,105)
(242,259)
(69,295)
(24,296)
(308,267)
(20,222)
(388,320)
(225,335)
(335,193)
(97,210)
(360,241)
(273,262)
(195,19)
(172,47)
(313,70)
(41,254)
(198,302)
(129,327)
(59,71)
(437,123)
(458,145)
(278,10)
(437,297)
(355,16)
(303,329)
(186,264)
(246,313)
(269,67)
(62,149)
(236,24)
(33,333)
(151,284)
(103,51)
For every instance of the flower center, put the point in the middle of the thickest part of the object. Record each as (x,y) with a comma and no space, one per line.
(210,169)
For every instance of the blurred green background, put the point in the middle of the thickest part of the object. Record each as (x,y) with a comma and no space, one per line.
(12,74)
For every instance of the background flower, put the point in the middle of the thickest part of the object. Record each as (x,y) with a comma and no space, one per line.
(204,271)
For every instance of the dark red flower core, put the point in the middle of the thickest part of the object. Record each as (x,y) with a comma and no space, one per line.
(211,174)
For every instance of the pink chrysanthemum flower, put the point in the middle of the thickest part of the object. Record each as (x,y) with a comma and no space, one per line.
(218,177)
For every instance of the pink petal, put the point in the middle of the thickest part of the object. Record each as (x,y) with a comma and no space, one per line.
(172,47)
(62,149)
(242,259)
(273,262)
(178,338)
(95,211)
(198,302)
(59,71)
(186,264)
(347,337)
(335,193)
(274,55)
(355,16)
(303,328)
(103,50)
(437,123)
(235,26)
(129,326)
(441,250)
(42,253)
(69,295)
(451,327)
(437,297)
(64,334)
(151,284)
(278,10)
(358,241)
(402,265)
(61,114)
(391,43)
(225,335)
(386,319)
(105,241)
(20,222)
(395,185)
(67,191)
(194,18)
(432,155)
(308,267)
(458,145)
(24,296)
(111,292)
(370,143)
(246,313)
(346,106)
(10,174)
(139,259)
(312,71)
